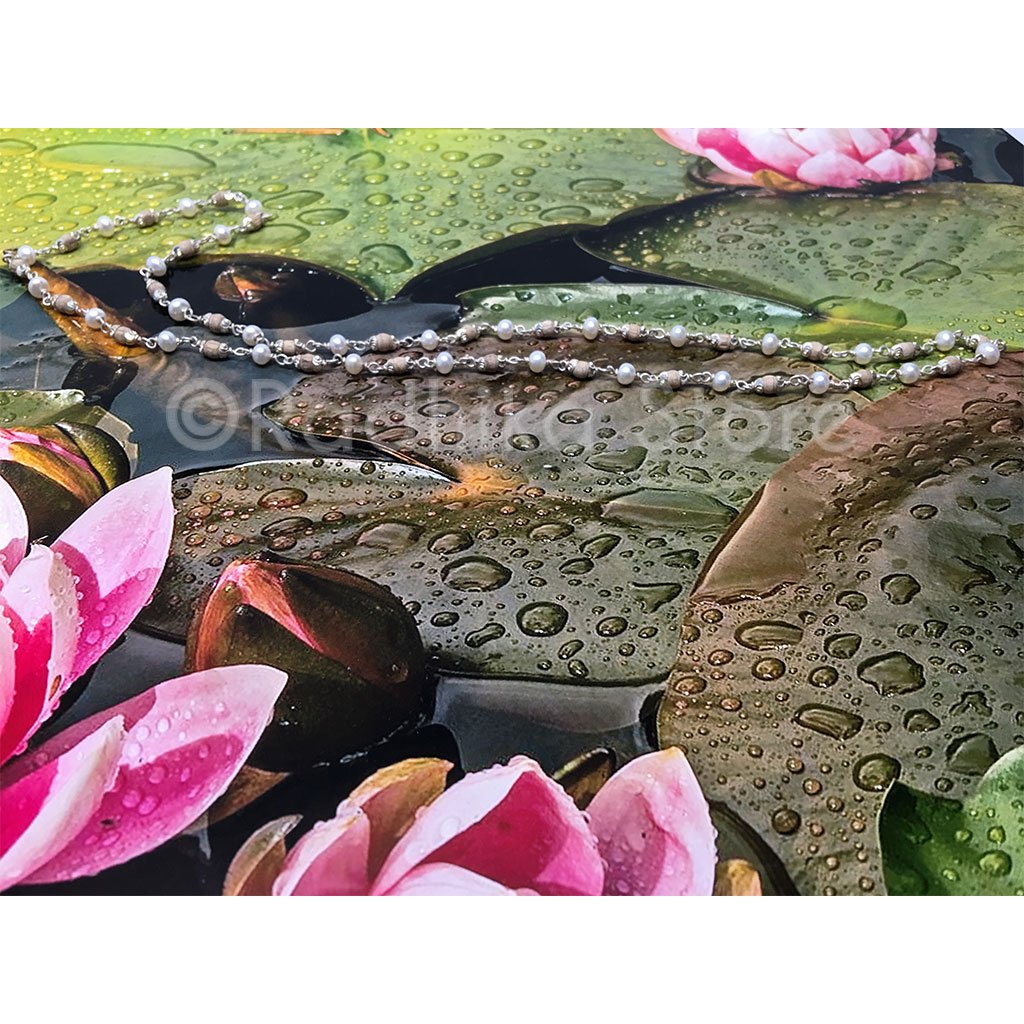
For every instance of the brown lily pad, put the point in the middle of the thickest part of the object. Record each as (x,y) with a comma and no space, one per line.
(861,623)
(537,528)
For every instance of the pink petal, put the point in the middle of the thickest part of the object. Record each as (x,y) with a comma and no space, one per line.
(869,142)
(773,149)
(893,166)
(654,829)
(13,530)
(6,672)
(329,860)
(117,549)
(46,809)
(448,880)
(681,138)
(186,740)
(717,144)
(824,140)
(836,170)
(511,824)
(40,607)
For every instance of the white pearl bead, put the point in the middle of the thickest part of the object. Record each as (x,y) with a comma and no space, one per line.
(156,266)
(721,381)
(945,340)
(988,352)
(444,362)
(338,344)
(770,344)
(26,254)
(909,373)
(168,341)
(93,317)
(820,383)
(251,334)
(429,341)
(261,354)
(37,286)
(353,363)
(221,234)
(187,207)
(626,373)
(677,336)
(537,361)
(505,330)
(178,309)
(591,328)
(105,226)
(863,353)
(253,207)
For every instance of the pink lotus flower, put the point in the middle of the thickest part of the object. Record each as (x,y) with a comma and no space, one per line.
(504,831)
(125,780)
(811,157)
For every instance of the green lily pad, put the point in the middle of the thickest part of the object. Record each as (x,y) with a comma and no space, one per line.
(860,623)
(380,210)
(655,305)
(861,266)
(938,847)
(540,528)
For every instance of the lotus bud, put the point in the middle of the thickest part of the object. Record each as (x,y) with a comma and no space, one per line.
(59,470)
(355,662)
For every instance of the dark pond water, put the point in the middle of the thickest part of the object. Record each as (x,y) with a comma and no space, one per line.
(472,722)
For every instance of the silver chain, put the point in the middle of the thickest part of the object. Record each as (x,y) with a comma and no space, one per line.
(431,352)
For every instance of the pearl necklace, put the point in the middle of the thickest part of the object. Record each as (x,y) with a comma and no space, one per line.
(436,350)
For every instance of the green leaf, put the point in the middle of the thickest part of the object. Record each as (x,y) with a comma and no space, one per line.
(380,210)
(655,305)
(862,266)
(938,847)
(859,623)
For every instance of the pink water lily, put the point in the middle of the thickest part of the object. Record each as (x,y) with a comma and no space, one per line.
(811,157)
(123,781)
(507,830)
(63,606)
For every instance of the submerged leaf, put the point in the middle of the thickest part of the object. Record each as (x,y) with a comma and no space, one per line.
(909,262)
(860,623)
(355,663)
(934,846)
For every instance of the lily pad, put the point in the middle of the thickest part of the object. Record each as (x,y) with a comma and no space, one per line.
(860,624)
(655,305)
(861,266)
(938,847)
(537,527)
(380,209)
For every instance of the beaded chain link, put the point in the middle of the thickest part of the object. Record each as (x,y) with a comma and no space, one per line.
(438,353)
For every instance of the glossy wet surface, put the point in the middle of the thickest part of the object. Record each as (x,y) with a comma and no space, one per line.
(631,518)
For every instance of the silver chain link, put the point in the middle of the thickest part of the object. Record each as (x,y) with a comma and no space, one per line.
(313,356)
